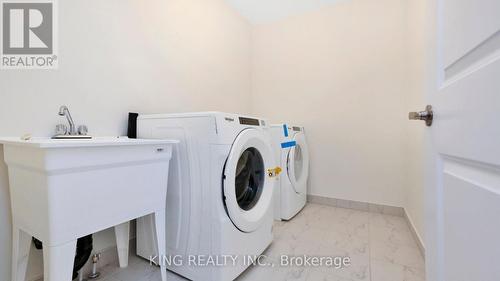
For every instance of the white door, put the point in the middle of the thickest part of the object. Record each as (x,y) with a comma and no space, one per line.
(463,204)
(248,188)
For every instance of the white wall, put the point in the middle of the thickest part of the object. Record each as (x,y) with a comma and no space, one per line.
(128,55)
(418,15)
(342,73)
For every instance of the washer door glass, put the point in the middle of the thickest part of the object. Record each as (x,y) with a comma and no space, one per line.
(249,178)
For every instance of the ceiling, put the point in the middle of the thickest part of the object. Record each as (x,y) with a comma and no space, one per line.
(264,11)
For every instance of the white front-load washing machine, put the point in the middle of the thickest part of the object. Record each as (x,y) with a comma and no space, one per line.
(219,202)
(290,147)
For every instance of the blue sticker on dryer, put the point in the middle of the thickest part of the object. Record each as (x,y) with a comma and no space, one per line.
(285,130)
(288,144)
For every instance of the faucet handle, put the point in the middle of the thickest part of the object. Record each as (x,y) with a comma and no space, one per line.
(83,130)
(61,129)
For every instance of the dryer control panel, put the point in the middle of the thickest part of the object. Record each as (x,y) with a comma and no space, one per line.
(249,121)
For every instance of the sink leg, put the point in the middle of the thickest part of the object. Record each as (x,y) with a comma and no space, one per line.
(21,245)
(58,261)
(161,242)
(122,232)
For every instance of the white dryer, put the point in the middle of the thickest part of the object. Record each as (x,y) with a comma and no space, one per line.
(290,146)
(219,201)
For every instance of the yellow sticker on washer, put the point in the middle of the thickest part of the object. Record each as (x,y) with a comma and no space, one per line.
(274,172)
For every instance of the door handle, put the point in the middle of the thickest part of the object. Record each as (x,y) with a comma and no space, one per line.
(427,115)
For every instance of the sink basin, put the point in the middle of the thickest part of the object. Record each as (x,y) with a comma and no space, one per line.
(51,178)
(62,190)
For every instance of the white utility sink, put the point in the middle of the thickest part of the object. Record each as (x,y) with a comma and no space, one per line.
(62,190)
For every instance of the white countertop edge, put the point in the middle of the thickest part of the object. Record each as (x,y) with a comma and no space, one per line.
(94,142)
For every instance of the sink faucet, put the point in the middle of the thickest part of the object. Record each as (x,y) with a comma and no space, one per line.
(64,111)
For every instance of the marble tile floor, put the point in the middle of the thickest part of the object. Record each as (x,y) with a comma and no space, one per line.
(380,247)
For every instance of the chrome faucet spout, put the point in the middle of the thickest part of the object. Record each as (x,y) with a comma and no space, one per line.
(64,111)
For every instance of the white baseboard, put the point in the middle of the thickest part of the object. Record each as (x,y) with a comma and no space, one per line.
(416,235)
(357,205)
